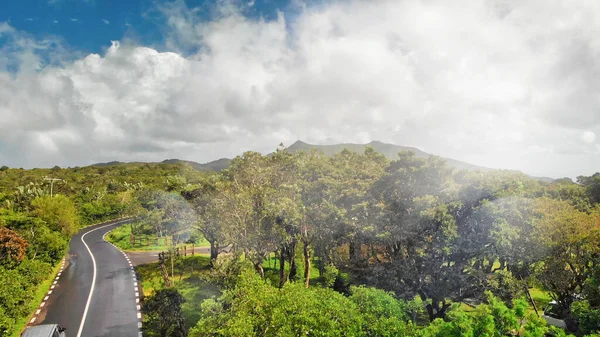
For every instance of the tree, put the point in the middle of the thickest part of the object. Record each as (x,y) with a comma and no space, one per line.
(569,238)
(255,308)
(58,212)
(12,247)
(492,319)
(248,224)
(353,175)
(592,186)
(414,231)
(205,201)
(165,317)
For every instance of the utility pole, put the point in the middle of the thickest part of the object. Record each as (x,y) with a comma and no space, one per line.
(52,180)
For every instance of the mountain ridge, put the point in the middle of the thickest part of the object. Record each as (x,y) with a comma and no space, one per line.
(389,150)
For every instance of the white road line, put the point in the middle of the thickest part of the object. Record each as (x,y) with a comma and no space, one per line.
(139,315)
(87,305)
(33,320)
(52,287)
(37,312)
(42,304)
(46,298)
(49,292)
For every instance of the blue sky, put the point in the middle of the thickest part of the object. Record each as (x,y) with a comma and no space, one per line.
(89,25)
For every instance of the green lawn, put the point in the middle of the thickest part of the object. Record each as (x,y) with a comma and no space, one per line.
(187,280)
(120,236)
(40,293)
(540,297)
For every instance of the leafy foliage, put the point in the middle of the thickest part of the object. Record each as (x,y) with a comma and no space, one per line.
(165,318)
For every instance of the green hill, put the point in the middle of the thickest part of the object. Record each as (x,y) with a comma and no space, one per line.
(389,150)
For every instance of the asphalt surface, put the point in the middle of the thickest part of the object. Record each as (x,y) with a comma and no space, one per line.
(111,305)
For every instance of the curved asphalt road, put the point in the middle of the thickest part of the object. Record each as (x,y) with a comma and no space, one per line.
(112,307)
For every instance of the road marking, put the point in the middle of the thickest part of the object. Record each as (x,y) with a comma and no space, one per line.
(139,315)
(137,294)
(42,304)
(87,304)
(54,282)
(49,292)
(33,320)
(46,298)
(37,312)
(52,287)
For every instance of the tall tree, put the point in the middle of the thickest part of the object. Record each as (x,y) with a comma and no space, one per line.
(570,240)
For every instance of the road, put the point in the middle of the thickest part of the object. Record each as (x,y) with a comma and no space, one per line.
(95,295)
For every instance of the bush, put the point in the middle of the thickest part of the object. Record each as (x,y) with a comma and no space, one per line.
(587,317)
(255,308)
(165,318)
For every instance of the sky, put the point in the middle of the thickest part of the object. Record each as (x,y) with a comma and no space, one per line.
(510,84)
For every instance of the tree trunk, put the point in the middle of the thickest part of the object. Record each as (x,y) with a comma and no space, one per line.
(173,266)
(355,252)
(306,264)
(435,311)
(292,260)
(214,252)
(259,269)
(282,277)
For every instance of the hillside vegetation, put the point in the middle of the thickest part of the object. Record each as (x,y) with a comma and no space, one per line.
(351,244)
(37,221)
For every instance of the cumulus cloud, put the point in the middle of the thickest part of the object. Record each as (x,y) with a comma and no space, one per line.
(499,83)
(106,22)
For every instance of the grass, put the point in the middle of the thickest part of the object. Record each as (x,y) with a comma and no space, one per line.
(120,236)
(541,298)
(271,268)
(40,293)
(188,281)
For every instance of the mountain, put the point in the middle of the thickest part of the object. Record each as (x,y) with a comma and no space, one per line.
(389,150)
(216,165)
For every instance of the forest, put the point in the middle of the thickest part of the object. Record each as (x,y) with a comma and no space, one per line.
(364,246)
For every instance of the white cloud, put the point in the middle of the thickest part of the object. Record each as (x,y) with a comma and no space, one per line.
(54,21)
(106,22)
(588,137)
(499,83)
(75,20)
